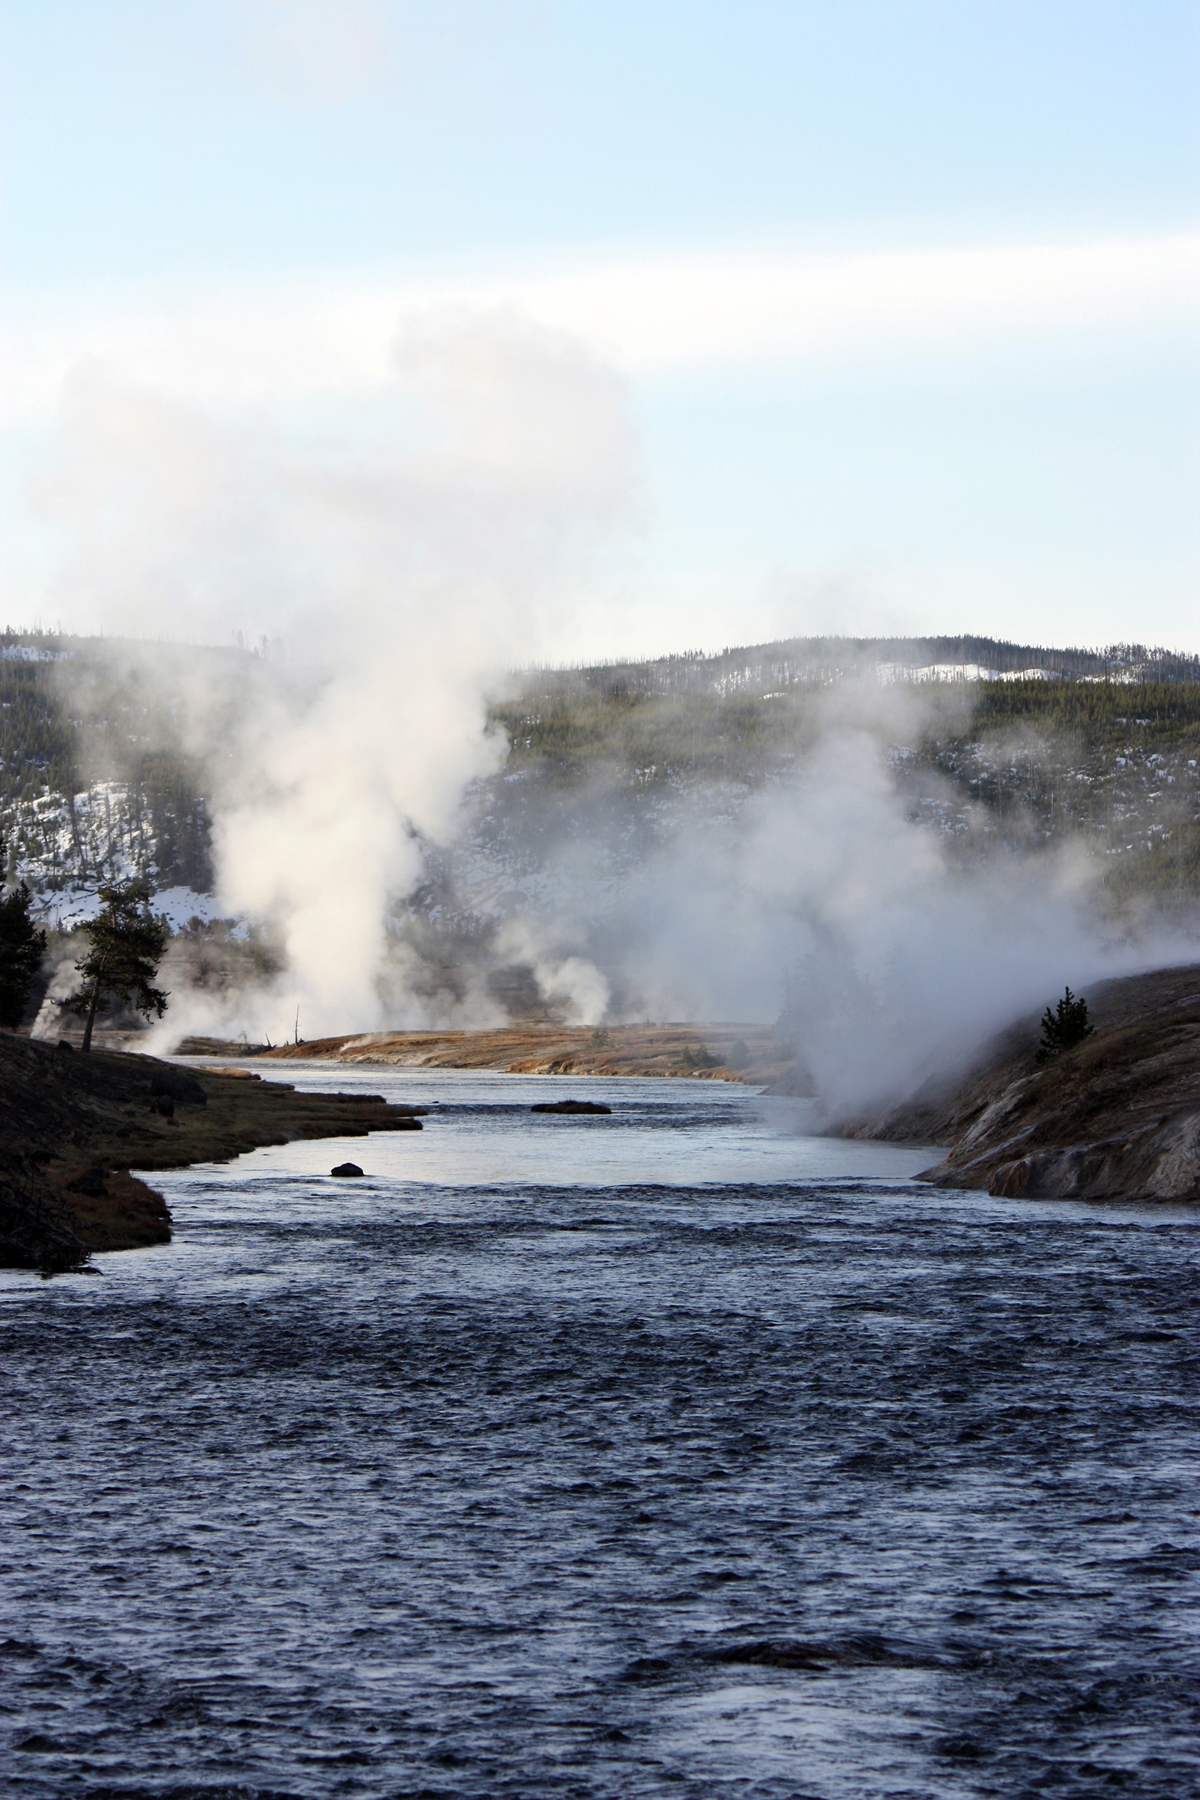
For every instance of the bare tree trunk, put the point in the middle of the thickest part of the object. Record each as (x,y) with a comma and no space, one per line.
(95,1002)
(91,1018)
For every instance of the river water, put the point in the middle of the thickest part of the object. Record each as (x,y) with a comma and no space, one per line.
(671,1453)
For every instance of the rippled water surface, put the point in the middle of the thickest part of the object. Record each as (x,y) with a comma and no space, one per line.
(670,1453)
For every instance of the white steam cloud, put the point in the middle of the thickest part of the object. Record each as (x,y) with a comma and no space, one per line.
(896,958)
(404,569)
(405,565)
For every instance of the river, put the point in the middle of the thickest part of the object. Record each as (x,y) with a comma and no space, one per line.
(669,1453)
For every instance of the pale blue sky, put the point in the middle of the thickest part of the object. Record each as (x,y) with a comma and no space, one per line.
(1031,472)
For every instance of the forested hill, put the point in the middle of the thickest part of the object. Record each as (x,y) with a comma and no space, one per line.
(1014,746)
(792,662)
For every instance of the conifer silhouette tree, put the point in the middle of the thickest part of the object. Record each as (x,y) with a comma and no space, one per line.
(128,942)
(22,947)
(1063,1028)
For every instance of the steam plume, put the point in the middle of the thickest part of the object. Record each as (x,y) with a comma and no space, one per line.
(401,563)
(405,559)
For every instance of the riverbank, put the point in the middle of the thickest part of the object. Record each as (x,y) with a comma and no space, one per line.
(74,1127)
(746,1053)
(1118,1117)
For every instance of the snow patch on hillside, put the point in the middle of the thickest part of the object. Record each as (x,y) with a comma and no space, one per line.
(77,903)
(890,673)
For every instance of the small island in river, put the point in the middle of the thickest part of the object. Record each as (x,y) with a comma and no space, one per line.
(74,1127)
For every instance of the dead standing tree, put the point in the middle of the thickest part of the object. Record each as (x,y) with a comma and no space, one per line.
(128,942)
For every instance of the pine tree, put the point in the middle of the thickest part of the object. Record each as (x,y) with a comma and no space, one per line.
(128,942)
(22,947)
(1064,1028)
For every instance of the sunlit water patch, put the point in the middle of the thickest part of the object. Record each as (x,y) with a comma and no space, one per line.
(665,1453)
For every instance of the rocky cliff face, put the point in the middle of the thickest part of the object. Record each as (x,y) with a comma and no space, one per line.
(1118,1117)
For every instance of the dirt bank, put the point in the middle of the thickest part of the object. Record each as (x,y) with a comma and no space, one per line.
(72,1128)
(1116,1118)
(750,1053)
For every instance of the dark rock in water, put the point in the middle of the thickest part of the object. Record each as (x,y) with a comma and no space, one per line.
(179,1085)
(570,1106)
(346,1169)
(91,1182)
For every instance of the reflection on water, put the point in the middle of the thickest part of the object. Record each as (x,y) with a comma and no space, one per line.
(666,1453)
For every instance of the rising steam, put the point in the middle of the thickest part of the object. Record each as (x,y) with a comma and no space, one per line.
(405,563)
(891,949)
(404,556)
